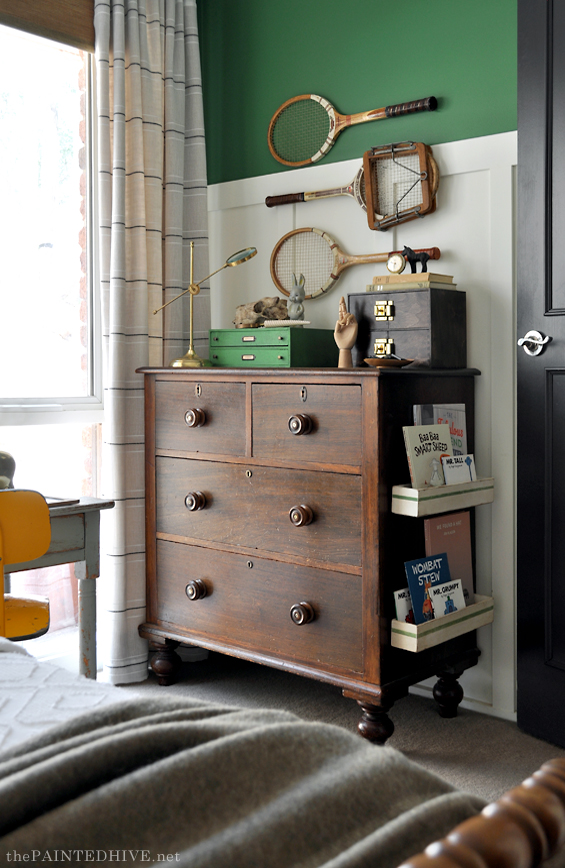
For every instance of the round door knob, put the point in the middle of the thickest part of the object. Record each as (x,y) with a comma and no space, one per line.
(301,613)
(195,418)
(300,424)
(196,590)
(301,515)
(195,500)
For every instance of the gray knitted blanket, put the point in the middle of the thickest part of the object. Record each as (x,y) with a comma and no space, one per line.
(195,784)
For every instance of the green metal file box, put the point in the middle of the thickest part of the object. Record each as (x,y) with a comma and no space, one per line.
(276,347)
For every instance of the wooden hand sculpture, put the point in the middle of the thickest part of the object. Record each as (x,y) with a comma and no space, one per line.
(345,335)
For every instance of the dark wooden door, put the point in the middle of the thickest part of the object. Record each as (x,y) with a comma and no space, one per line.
(541,377)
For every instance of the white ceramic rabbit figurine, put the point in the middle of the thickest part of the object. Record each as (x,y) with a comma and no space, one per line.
(296,298)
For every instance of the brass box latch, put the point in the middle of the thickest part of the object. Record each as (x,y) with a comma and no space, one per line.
(384,311)
(383,347)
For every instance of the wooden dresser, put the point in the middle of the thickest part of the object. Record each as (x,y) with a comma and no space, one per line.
(269,531)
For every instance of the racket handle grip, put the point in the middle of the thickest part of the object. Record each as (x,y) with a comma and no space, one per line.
(287,199)
(407,108)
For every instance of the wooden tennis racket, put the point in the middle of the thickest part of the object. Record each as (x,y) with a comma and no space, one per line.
(356,189)
(319,258)
(305,127)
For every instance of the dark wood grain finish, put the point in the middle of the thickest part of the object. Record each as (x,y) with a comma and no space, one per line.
(342,565)
(223,428)
(250,505)
(249,600)
(335,414)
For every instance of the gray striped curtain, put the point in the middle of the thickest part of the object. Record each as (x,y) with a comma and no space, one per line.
(152,204)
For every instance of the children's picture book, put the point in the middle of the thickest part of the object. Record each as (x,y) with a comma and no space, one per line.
(424,574)
(426,445)
(451,533)
(403,603)
(459,468)
(445,414)
(447,598)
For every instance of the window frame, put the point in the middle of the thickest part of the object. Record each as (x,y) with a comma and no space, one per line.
(88,409)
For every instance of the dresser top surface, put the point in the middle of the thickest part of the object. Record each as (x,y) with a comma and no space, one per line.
(289,374)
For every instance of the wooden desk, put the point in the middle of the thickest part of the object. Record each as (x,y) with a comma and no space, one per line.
(75,538)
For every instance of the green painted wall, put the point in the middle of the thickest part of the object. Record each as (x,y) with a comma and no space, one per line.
(360,55)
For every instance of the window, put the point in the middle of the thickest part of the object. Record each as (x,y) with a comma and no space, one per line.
(50,377)
(46,355)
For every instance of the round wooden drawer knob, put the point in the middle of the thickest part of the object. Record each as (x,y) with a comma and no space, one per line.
(301,515)
(195,500)
(300,424)
(196,590)
(195,418)
(301,613)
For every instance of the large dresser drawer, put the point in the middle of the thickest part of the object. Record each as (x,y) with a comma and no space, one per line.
(220,428)
(248,603)
(326,420)
(250,505)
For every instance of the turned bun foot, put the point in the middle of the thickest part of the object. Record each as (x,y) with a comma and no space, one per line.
(448,693)
(166,663)
(375,725)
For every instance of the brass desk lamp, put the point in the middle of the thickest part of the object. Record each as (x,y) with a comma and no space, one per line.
(191,359)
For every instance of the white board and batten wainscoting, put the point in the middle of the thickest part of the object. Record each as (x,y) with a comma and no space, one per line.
(474,228)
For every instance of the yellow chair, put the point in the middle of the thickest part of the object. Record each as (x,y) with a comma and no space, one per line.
(25,534)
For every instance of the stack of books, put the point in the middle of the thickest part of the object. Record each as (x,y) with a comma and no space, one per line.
(422,280)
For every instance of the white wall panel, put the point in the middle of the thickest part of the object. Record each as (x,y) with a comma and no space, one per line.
(474,228)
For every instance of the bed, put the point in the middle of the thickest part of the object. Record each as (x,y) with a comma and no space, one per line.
(88,777)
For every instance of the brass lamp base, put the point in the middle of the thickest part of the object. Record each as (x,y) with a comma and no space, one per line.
(190,360)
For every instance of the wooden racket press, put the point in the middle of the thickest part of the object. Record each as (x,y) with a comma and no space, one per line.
(401,182)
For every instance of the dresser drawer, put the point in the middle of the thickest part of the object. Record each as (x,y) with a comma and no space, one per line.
(221,428)
(251,357)
(249,506)
(333,417)
(249,338)
(248,603)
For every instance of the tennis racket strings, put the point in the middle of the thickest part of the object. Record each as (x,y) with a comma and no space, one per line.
(306,253)
(301,130)
(398,185)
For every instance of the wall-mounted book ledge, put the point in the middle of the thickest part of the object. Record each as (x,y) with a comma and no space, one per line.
(420,502)
(418,637)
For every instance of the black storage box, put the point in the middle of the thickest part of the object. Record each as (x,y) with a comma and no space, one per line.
(428,325)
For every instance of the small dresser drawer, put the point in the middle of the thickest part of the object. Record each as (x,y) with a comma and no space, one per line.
(301,423)
(200,417)
(249,338)
(304,513)
(251,357)
(249,600)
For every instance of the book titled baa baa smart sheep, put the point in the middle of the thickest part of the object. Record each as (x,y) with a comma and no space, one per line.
(426,445)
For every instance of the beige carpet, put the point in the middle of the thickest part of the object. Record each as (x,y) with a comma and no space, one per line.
(477,753)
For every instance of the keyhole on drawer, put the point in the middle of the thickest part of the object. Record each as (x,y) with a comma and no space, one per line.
(198,390)
(304,393)
(249,473)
